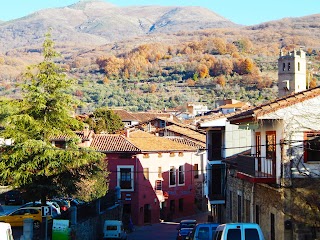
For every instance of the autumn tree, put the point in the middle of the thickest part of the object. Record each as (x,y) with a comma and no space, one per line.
(32,162)
(221,80)
(203,71)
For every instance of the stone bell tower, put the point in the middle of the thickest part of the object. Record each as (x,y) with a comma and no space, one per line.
(292,72)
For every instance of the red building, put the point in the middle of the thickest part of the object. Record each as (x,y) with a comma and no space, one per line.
(156,176)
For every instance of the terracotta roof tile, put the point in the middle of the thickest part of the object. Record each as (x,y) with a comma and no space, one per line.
(191,143)
(279,103)
(149,142)
(112,143)
(187,132)
(146,116)
(124,115)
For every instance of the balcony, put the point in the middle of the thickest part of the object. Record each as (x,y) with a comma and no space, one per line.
(256,169)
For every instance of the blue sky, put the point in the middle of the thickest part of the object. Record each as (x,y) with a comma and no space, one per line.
(247,12)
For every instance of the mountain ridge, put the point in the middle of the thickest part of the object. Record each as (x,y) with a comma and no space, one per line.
(96,22)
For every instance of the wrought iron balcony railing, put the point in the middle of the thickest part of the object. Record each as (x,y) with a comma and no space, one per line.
(256,169)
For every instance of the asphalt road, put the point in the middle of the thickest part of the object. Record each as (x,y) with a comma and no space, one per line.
(166,230)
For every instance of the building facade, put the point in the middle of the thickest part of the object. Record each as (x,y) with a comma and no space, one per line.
(276,184)
(155,177)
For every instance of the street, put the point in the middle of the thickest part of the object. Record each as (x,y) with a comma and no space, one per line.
(166,230)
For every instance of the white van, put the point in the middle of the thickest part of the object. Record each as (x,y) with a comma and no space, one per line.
(5,231)
(113,229)
(238,231)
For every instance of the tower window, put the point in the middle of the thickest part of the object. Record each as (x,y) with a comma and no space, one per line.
(298,66)
(289,66)
(283,66)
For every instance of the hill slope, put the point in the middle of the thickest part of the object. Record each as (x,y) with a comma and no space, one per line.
(96,22)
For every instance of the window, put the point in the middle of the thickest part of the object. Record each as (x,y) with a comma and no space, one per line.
(298,66)
(203,233)
(159,185)
(234,234)
(172,177)
(283,66)
(289,67)
(312,146)
(196,170)
(181,175)
(271,145)
(251,233)
(146,173)
(215,145)
(162,123)
(180,204)
(125,177)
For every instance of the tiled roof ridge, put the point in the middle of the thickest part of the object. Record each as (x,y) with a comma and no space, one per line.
(279,103)
(195,134)
(305,95)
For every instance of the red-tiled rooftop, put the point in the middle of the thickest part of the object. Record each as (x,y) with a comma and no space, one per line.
(112,143)
(149,142)
(279,103)
(187,132)
(191,143)
(124,115)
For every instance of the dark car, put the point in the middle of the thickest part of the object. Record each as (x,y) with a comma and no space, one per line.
(184,228)
(64,205)
(183,233)
(13,197)
(189,223)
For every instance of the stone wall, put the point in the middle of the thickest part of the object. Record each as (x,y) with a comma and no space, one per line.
(92,229)
(258,202)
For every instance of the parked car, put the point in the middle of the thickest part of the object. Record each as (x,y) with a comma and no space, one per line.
(13,197)
(188,223)
(54,206)
(203,231)
(63,204)
(238,231)
(183,233)
(16,217)
(113,229)
(184,228)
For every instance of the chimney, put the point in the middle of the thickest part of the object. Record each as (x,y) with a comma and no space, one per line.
(127,133)
(86,130)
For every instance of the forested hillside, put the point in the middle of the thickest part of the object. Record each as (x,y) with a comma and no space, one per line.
(169,68)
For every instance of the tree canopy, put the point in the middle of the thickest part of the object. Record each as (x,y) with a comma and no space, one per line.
(104,120)
(44,112)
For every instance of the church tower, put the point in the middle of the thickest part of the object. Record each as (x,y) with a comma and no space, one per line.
(292,72)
